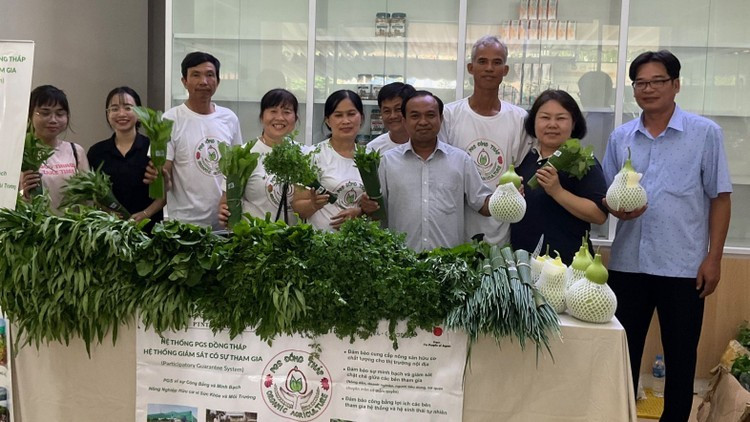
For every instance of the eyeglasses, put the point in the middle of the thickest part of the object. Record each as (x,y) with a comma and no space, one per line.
(655,84)
(116,109)
(47,114)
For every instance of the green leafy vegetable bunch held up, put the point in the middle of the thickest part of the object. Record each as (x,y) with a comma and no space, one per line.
(572,158)
(35,153)
(92,186)
(367,163)
(159,132)
(237,164)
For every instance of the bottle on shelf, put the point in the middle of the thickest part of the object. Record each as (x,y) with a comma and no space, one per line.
(658,372)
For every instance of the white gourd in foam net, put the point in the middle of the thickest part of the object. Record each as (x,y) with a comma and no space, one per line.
(591,299)
(507,205)
(552,283)
(626,193)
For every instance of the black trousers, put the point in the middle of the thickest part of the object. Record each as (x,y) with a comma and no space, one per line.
(680,312)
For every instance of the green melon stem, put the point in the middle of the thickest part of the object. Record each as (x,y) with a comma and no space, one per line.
(628,167)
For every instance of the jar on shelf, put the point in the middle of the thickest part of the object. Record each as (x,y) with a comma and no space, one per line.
(376,123)
(398,24)
(382,24)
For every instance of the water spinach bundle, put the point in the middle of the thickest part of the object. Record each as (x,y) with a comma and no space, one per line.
(86,187)
(237,164)
(572,158)
(291,165)
(159,132)
(367,163)
(35,153)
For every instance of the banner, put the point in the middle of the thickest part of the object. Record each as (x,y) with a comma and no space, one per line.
(16,64)
(194,376)
(6,379)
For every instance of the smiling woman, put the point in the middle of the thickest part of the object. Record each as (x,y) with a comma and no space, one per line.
(49,115)
(566,206)
(124,156)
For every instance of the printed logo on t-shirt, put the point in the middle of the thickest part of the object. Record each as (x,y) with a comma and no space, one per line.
(488,158)
(274,190)
(348,193)
(207,156)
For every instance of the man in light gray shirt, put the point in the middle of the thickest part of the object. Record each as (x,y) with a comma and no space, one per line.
(425,182)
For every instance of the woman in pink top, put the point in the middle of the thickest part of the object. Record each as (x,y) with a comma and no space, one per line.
(49,113)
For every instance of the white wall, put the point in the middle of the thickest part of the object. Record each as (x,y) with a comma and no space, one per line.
(85,48)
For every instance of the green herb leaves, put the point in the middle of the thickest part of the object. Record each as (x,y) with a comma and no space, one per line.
(159,132)
(35,153)
(367,163)
(237,164)
(92,186)
(572,158)
(292,166)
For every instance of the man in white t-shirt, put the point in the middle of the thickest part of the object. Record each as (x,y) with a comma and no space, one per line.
(390,98)
(489,129)
(193,153)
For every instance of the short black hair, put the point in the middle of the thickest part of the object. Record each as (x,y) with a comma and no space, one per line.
(393,90)
(120,91)
(665,57)
(279,97)
(422,93)
(48,95)
(197,57)
(567,102)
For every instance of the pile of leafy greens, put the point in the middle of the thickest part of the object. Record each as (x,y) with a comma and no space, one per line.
(85,273)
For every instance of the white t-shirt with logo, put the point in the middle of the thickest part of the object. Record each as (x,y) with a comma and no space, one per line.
(382,143)
(339,175)
(194,152)
(262,194)
(493,142)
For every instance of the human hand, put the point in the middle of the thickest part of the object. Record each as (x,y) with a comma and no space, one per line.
(150,175)
(30,179)
(625,216)
(224,214)
(368,205)
(549,180)
(709,274)
(347,214)
(318,201)
(137,217)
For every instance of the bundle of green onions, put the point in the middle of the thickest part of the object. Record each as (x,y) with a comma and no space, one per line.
(290,165)
(35,153)
(367,163)
(159,132)
(572,158)
(237,164)
(85,187)
(506,303)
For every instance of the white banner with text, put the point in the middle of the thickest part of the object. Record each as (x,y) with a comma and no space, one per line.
(16,65)
(197,376)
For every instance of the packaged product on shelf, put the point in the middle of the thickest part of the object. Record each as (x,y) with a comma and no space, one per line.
(376,123)
(551,30)
(562,30)
(382,24)
(364,85)
(571,31)
(543,32)
(534,9)
(362,139)
(394,78)
(552,9)
(375,91)
(505,30)
(523,29)
(513,31)
(523,9)
(534,30)
(398,24)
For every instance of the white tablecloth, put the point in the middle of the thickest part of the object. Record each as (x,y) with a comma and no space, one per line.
(589,380)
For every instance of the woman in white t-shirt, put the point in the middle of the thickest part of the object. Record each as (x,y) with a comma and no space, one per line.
(278,116)
(334,157)
(49,113)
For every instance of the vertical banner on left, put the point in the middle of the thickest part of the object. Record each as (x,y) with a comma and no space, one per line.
(16,65)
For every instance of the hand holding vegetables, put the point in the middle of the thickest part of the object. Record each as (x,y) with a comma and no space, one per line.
(94,186)
(35,153)
(626,197)
(159,132)
(237,164)
(367,163)
(571,158)
(290,165)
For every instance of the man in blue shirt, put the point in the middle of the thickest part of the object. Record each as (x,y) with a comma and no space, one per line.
(667,255)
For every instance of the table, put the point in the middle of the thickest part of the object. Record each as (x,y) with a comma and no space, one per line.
(589,380)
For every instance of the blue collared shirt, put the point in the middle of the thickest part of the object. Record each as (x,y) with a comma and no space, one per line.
(683,169)
(425,198)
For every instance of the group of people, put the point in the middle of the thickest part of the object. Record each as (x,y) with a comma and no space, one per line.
(440,164)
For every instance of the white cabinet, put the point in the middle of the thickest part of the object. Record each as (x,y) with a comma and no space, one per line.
(315,47)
